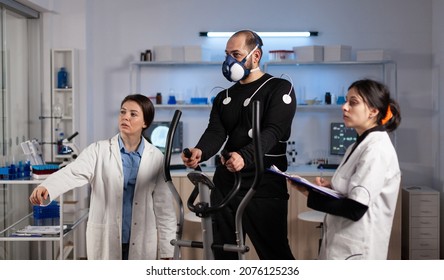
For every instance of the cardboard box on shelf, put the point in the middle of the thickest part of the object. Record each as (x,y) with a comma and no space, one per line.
(281,55)
(309,53)
(196,54)
(372,55)
(337,53)
(168,53)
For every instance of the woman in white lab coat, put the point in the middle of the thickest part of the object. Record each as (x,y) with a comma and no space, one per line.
(359,226)
(128,201)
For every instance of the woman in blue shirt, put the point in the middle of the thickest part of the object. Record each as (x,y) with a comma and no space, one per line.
(131,213)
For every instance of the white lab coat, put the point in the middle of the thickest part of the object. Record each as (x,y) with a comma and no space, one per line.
(372,177)
(154,216)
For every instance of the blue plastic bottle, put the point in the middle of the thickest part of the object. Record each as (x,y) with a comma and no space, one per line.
(12,172)
(27,169)
(62,78)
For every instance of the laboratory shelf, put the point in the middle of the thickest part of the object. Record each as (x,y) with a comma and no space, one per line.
(174,63)
(24,181)
(63,90)
(386,68)
(63,100)
(333,63)
(69,219)
(5,235)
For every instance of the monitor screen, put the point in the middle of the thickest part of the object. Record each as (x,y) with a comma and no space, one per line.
(340,138)
(157,134)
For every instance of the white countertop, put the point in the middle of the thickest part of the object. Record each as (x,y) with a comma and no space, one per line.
(302,170)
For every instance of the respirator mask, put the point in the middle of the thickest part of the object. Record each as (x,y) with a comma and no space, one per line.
(235,70)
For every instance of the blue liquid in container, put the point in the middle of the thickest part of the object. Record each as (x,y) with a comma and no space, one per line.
(62,78)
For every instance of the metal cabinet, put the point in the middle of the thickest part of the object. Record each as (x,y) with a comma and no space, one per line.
(420,223)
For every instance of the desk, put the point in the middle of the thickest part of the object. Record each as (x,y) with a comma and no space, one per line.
(314,216)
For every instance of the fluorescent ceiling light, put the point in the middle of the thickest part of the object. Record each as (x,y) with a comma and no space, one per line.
(262,34)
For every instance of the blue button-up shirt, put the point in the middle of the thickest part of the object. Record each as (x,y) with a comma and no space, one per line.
(130,163)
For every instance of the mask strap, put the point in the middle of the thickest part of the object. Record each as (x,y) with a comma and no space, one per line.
(248,56)
(252,51)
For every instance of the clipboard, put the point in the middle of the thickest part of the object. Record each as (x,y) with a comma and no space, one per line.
(304,182)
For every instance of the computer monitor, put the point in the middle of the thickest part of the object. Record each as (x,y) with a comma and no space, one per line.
(340,138)
(157,134)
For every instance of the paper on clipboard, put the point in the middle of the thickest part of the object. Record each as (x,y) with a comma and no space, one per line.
(306,183)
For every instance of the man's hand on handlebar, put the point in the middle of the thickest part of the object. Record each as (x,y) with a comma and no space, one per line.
(235,163)
(193,160)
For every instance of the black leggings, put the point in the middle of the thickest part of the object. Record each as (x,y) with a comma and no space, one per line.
(265,223)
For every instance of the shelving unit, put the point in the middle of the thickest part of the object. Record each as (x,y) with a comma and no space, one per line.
(63,99)
(314,79)
(64,248)
(386,69)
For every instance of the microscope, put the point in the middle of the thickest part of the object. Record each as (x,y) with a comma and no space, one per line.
(66,147)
